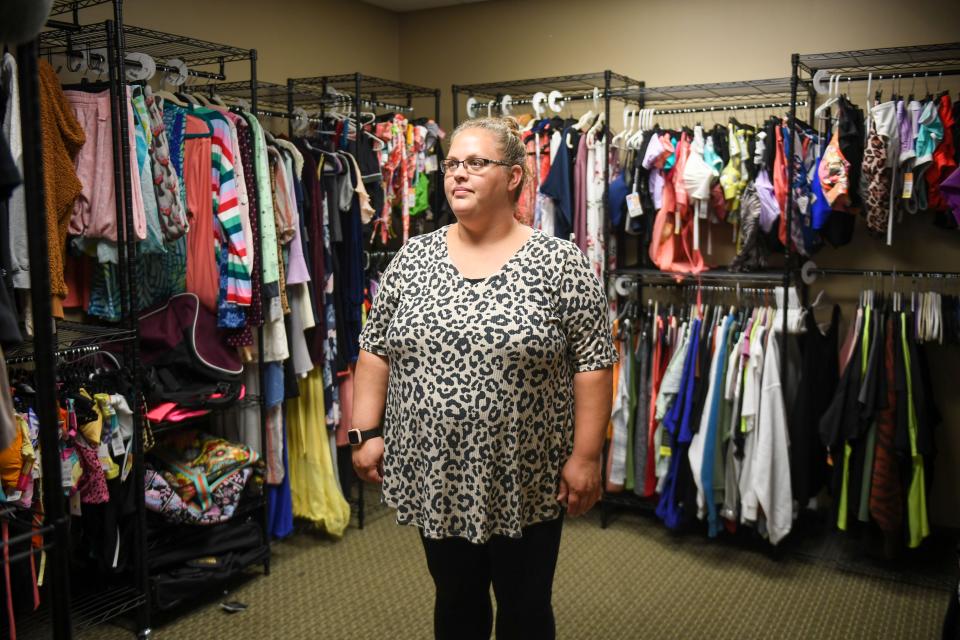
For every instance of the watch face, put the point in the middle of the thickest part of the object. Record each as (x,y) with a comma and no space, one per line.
(354,436)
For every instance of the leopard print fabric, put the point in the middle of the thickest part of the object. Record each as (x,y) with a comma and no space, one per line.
(875,183)
(479,411)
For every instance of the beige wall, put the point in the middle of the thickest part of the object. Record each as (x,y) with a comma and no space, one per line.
(293,38)
(662,42)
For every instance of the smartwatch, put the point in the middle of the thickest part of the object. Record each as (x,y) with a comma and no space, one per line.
(357,437)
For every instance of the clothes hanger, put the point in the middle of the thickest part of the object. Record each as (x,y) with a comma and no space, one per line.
(595,129)
(833,99)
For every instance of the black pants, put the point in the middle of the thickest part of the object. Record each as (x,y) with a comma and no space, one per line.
(521,571)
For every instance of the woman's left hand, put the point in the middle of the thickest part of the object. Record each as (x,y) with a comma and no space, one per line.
(580,485)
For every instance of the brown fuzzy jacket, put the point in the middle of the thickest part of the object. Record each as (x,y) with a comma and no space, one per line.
(62,138)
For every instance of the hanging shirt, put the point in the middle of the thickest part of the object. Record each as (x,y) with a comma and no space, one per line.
(559,188)
(268,229)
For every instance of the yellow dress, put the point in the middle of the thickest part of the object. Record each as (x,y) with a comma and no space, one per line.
(313,484)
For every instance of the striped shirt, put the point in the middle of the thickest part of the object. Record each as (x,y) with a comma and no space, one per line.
(226,207)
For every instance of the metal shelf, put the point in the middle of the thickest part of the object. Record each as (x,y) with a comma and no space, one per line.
(86,612)
(371,87)
(61,7)
(582,83)
(270,95)
(157,44)
(75,335)
(714,91)
(928,57)
(714,275)
(96,608)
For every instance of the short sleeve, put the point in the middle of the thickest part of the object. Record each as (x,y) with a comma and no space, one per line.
(583,316)
(374,334)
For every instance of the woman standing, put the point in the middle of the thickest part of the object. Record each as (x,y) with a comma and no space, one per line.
(487,360)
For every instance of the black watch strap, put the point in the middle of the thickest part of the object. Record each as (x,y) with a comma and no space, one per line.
(356,436)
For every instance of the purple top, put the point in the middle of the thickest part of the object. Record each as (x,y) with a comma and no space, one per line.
(950,189)
(769,208)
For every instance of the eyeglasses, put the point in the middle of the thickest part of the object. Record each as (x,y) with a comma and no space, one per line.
(472,165)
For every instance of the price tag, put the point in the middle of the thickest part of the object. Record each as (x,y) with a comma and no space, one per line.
(103,453)
(411,199)
(907,185)
(432,164)
(75,504)
(127,467)
(633,205)
(665,451)
(66,473)
(116,443)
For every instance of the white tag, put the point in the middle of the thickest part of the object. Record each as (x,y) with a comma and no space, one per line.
(75,504)
(66,473)
(116,444)
(432,164)
(633,205)
(411,198)
(127,466)
(103,453)
(276,309)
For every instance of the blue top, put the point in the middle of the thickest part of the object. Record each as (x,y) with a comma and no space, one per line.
(710,444)
(677,424)
(558,186)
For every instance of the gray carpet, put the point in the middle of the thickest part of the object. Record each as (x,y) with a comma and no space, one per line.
(632,580)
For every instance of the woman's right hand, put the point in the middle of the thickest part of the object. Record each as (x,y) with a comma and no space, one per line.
(368,460)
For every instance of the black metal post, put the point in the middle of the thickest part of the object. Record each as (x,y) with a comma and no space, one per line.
(357,86)
(456,109)
(643,239)
(792,132)
(290,106)
(323,100)
(127,236)
(438,178)
(607,226)
(44,339)
(261,396)
(120,186)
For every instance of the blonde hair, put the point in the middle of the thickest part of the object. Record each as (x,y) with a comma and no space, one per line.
(506,132)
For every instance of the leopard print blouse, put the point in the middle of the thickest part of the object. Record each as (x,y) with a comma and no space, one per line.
(479,411)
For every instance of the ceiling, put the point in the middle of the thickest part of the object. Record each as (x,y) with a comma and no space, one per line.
(401,6)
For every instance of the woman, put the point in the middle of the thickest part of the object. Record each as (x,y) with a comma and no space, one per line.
(487,354)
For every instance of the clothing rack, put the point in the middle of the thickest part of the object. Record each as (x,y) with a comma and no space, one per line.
(725,107)
(810,271)
(717,96)
(807,68)
(705,98)
(117,38)
(927,60)
(601,87)
(362,90)
(713,276)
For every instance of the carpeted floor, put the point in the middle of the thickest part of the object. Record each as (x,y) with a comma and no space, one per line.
(631,580)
